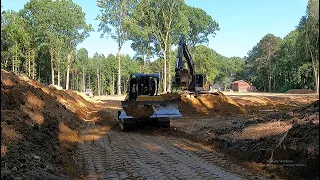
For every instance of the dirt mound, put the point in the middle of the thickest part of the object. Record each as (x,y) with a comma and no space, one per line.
(204,105)
(301,91)
(139,112)
(172,96)
(33,122)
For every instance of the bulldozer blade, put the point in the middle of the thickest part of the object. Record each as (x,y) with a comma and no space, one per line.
(149,109)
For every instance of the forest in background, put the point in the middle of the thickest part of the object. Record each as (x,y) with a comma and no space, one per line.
(41,41)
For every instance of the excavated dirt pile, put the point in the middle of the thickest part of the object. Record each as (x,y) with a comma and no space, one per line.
(205,105)
(138,111)
(288,141)
(301,91)
(36,123)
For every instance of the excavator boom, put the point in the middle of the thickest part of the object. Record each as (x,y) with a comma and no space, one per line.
(187,78)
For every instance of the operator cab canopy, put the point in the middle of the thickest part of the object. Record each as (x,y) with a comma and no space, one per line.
(143,84)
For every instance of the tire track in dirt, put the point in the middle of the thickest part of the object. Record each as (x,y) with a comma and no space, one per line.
(133,155)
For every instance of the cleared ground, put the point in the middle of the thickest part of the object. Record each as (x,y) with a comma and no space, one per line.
(268,117)
(142,155)
(58,134)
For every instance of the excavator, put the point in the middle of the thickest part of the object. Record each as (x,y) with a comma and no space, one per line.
(187,79)
(143,105)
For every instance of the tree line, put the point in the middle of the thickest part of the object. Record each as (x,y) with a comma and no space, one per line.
(40,41)
(277,65)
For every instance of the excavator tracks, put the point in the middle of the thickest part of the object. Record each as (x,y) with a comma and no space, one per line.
(134,155)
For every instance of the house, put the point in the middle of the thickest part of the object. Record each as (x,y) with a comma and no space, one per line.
(243,86)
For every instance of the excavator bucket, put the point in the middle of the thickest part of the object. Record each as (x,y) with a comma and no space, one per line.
(149,109)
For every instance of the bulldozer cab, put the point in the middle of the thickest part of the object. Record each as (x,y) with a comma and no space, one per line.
(142,84)
(143,104)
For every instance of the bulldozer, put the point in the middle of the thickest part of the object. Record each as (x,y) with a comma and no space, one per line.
(142,103)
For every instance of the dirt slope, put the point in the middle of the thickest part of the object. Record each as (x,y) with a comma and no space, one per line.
(39,128)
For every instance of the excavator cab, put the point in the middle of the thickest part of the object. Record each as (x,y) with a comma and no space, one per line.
(201,83)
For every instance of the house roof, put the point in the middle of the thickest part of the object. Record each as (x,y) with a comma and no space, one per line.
(239,81)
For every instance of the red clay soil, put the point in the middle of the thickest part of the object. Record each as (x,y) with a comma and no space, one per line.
(39,128)
(205,105)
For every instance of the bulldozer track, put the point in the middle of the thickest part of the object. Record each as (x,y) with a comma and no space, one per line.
(134,155)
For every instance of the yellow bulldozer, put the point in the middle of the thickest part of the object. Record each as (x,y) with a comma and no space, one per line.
(143,104)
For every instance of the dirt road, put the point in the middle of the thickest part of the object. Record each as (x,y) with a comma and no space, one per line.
(157,155)
(139,155)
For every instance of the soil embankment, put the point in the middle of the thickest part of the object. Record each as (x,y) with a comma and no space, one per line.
(39,128)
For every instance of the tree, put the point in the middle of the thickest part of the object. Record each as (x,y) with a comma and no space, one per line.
(82,56)
(75,28)
(162,20)
(269,46)
(13,36)
(58,23)
(206,62)
(201,26)
(262,58)
(115,13)
(309,29)
(112,69)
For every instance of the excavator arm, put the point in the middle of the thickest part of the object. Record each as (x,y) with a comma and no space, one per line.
(183,75)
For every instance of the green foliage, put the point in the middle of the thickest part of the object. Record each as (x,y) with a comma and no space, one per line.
(288,64)
(13,40)
(41,36)
(261,62)
(201,26)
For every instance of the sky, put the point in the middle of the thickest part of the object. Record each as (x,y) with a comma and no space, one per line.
(242,23)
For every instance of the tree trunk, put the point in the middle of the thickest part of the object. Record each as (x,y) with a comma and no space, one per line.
(33,66)
(13,64)
(68,70)
(274,83)
(83,79)
(142,69)
(148,59)
(59,75)
(77,81)
(119,73)
(100,78)
(29,63)
(89,81)
(165,72)
(52,70)
(315,61)
(39,78)
(269,82)
(112,89)
(169,71)
(317,83)
(98,83)
(72,81)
